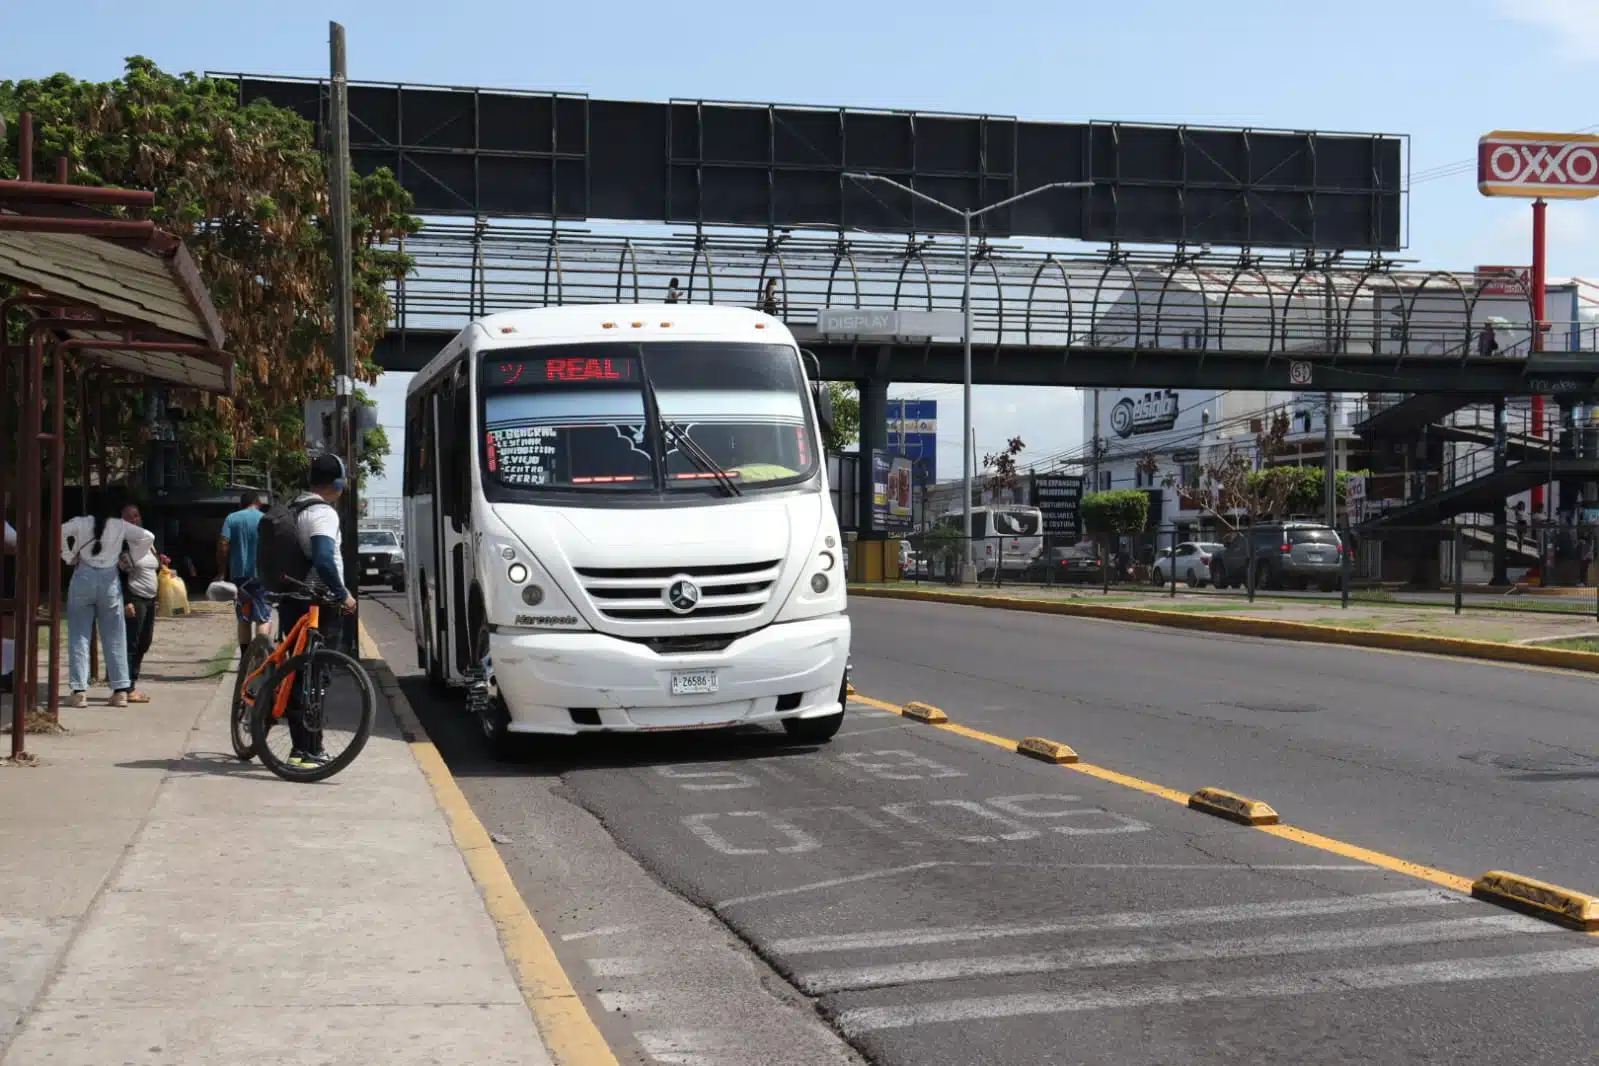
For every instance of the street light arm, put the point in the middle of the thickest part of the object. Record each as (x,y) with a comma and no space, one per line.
(1033,192)
(903,188)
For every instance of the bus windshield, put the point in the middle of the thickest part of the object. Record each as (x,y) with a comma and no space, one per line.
(678,416)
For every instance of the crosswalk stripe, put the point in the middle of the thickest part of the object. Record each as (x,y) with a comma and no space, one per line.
(1365,978)
(1237,912)
(1383,936)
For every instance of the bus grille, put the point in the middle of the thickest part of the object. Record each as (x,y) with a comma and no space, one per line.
(638,594)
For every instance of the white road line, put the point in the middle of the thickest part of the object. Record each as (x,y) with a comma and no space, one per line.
(1383,936)
(872,729)
(1365,978)
(628,965)
(631,1002)
(899,938)
(818,886)
(606,930)
(688,1047)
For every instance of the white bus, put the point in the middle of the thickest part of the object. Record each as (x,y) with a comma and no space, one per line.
(1008,537)
(617,519)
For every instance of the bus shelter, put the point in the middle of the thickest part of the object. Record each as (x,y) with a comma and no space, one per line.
(120,303)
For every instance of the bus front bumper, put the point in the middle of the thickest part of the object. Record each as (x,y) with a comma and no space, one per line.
(568,683)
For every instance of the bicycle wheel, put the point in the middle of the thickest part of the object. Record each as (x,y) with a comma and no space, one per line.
(338,703)
(254,655)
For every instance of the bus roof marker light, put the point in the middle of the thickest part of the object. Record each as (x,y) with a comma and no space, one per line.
(638,325)
(666,325)
(507,329)
(607,325)
(760,325)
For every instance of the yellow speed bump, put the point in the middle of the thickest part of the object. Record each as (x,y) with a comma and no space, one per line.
(849,689)
(924,712)
(1047,750)
(1539,899)
(1232,807)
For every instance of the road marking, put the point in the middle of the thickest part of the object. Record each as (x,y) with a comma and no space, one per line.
(1364,978)
(1448,880)
(631,1002)
(869,729)
(628,965)
(1235,912)
(800,840)
(856,978)
(818,886)
(604,930)
(690,1047)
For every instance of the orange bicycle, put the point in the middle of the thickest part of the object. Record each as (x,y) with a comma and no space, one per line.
(300,682)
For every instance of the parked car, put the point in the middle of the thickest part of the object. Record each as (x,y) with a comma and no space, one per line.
(1193,564)
(382,559)
(1281,555)
(1067,566)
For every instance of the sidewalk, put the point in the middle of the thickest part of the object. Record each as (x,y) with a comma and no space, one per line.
(161,902)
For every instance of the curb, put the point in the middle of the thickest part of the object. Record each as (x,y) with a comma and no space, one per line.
(569,1032)
(1268,628)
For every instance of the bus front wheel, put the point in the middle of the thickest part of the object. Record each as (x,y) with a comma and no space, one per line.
(818,730)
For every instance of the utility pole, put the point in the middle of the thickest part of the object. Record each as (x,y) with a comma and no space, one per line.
(1094,445)
(343,311)
(1329,466)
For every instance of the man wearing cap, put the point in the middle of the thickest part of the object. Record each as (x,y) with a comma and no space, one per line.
(321,541)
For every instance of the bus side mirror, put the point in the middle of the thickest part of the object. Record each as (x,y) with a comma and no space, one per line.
(823,398)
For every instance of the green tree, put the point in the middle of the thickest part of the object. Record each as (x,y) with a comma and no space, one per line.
(1118,512)
(846,417)
(246,188)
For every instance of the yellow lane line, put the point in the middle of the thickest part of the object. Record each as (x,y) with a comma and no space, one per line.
(1286,832)
(568,1030)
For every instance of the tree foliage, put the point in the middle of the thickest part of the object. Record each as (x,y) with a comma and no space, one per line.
(846,417)
(1117,512)
(1001,466)
(1230,487)
(246,188)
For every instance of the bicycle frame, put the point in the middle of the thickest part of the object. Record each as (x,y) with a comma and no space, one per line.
(294,642)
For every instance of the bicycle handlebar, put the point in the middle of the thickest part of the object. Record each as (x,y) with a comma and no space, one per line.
(306,591)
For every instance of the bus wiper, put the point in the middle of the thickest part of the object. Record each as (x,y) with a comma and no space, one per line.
(697,455)
(687,446)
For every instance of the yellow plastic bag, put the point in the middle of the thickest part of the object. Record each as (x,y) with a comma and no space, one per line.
(172,595)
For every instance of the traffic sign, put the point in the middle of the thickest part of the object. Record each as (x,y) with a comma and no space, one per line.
(1299,372)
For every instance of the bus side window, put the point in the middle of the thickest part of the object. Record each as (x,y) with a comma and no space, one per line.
(463,441)
(979,521)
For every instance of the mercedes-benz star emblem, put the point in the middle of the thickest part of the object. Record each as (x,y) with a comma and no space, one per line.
(682,596)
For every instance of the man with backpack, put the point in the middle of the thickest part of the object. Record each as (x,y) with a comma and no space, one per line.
(302,540)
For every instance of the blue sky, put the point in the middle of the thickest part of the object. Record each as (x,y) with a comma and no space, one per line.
(1442,71)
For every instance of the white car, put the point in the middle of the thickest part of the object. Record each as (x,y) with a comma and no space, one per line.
(1192,566)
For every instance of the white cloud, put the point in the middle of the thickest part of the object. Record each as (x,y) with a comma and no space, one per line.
(1573,25)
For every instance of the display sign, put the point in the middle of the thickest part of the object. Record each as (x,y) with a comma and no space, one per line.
(522,456)
(560,370)
(893,485)
(1557,165)
(1504,281)
(858,322)
(1057,497)
(913,433)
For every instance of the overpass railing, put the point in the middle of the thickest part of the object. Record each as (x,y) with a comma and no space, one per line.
(1020,296)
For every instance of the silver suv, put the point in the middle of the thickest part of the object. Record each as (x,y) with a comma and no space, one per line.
(1284,555)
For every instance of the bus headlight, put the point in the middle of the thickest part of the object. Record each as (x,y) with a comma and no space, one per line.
(517,573)
(818,583)
(532,595)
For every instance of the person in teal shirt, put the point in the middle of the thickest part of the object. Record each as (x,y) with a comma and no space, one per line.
(236,555)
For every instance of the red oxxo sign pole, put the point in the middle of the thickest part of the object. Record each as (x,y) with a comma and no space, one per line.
(1562,166)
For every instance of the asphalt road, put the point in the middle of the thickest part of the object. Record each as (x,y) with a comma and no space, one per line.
(724,898)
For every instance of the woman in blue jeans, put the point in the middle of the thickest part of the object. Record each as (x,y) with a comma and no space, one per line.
(93,545)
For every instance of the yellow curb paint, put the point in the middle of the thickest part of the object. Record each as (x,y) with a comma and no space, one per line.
(1233,807)
(881,705)
(1269,628)
(1371,858)
(924,712)
(1046,750)
(568,1030)
(1303,837)
(1540,899)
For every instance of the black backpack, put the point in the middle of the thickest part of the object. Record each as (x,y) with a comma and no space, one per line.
(278,552)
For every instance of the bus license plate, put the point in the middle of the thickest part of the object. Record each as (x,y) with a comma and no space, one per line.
(694,683)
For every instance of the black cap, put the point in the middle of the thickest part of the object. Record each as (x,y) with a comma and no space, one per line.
(326,469)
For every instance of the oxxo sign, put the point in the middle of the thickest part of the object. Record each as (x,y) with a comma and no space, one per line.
(1554,165)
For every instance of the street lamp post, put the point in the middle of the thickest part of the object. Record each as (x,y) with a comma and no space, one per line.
(969,568)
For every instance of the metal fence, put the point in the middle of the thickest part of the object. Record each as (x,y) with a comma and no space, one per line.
(1521,567)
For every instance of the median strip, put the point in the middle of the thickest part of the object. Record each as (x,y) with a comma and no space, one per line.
(1268,628)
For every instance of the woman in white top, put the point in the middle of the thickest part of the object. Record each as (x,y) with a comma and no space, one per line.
(93,546)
